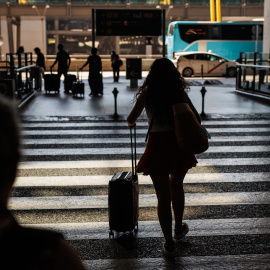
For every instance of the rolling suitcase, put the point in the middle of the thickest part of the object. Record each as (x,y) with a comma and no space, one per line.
(78,86)
(123,198)
(51,83)
(69,79)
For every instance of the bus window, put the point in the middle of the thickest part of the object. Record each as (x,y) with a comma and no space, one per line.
(190,33)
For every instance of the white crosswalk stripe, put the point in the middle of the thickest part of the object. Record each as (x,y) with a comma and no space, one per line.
(226,198)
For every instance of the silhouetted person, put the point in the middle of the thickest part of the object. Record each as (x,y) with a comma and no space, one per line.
(20,50)
(115,65)
(95,73)
(40,68)
(63,60)
(22,247)
(163,160)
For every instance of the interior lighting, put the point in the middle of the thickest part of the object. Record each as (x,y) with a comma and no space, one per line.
(158,6)
(258,19)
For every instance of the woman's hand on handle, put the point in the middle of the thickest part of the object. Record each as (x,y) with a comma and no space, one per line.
(132,125)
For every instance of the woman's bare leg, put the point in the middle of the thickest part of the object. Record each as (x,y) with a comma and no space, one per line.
(163,192)
(178,196)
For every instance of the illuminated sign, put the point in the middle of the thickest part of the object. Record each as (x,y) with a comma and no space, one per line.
(128,22)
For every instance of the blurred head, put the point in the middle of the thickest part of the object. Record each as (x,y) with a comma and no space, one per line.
(20,49)
(9,146)
(113,52)
(162,87)
(94,50)
(60,47)
(163,78)
(37,50)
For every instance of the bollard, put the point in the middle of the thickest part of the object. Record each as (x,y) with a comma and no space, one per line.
(203,91)
(202,71)
(115,93)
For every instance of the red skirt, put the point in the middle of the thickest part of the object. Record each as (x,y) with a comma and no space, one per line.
(162,155)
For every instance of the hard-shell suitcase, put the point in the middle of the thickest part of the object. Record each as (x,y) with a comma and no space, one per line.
(123,198)
(51,83)
(78,86)
(69,79)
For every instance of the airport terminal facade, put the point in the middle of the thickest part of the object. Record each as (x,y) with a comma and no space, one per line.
(44,24)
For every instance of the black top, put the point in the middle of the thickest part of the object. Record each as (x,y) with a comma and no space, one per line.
(40,60)
(62,58)
(95,64)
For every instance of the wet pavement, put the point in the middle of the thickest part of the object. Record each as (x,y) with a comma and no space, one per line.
(73,146)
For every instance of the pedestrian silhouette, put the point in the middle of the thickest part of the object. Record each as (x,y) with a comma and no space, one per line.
(25,248)
(115,65)
(166,164)
(20,50)
(95,73)
(63,60)
(38,71)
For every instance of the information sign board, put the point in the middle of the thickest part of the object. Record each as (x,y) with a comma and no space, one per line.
(134,22)
(133,68)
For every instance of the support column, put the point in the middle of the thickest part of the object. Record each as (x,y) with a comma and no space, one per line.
(10,34)
(218,10)
(212,11)
(18,24)
(117,44)
(56,25)
(266,27)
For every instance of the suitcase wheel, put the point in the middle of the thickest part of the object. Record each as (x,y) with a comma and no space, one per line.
(111,235)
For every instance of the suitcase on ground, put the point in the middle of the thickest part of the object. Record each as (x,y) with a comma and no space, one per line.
(78,86)
(123,198)
(69,79)
(51,83)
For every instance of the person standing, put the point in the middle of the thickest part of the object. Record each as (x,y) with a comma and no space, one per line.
(23,247)
(63,60)
(166,164)
(115,65)
(40,68)
(95,73)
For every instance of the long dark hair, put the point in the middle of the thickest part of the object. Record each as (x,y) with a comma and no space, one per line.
(163,87)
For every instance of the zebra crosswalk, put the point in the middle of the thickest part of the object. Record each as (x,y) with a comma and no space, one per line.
(63,179)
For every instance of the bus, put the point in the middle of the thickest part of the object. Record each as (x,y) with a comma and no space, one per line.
(227,39)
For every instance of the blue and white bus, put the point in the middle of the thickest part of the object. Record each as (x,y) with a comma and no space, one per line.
(226,39)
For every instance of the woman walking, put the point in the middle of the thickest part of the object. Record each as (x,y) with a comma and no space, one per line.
(166,164)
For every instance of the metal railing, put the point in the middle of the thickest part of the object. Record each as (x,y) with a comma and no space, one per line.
(253,78)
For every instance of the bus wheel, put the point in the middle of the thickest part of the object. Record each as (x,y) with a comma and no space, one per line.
(231,72)
(187,72)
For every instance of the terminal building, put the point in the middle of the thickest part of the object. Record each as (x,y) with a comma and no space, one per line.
(45,23)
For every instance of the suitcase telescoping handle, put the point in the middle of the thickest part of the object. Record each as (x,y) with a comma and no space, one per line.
(133,155)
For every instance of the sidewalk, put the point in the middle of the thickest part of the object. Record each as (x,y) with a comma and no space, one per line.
(220,99)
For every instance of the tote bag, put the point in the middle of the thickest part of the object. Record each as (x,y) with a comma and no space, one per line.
(190,134)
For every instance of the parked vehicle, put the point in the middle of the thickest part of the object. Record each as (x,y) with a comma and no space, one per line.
(202,63)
